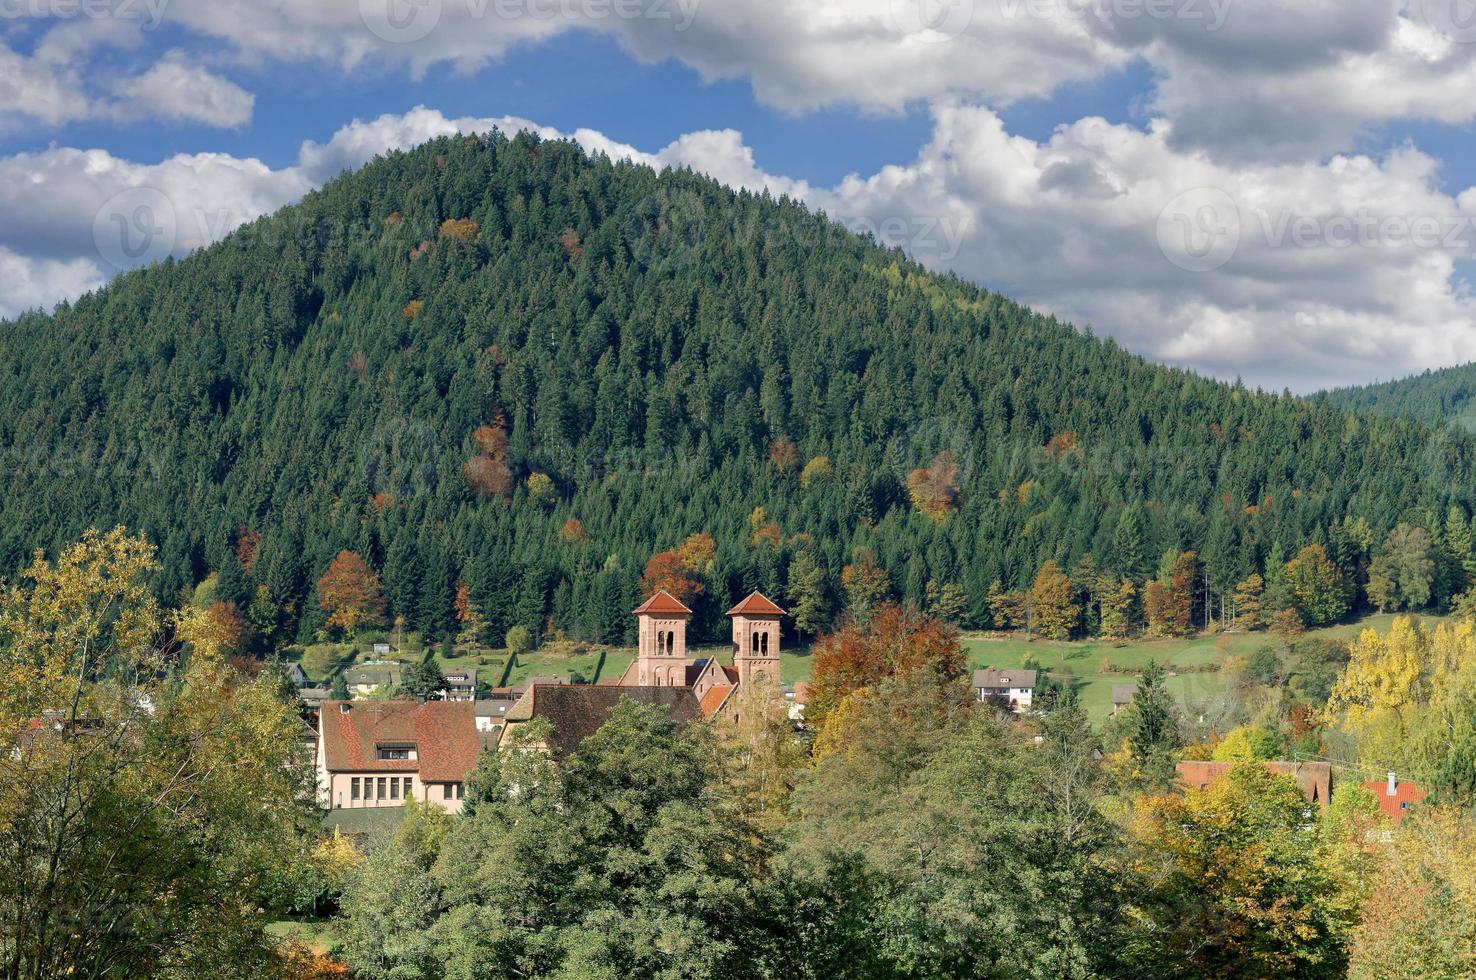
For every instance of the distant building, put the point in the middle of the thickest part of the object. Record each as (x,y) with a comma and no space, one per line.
(798,701)
(461,684)
(491,713)
(1314,778)
(382,753)
(576,711)
(369,679)
(1122,696)
(381,649)
(1015,687)
(297,675)
(661,656)
(1396,799)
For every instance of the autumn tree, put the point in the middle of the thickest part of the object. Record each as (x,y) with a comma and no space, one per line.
(151,798)
(1117,609)
(948,601)
(896,640)
(230,625)
(487,472)
(1006,608)
(473,623)
(1317,585)
(351,593)
(682,570)
(934,489)
(1053,612)
(1247,602)
(816,470)
(783,454)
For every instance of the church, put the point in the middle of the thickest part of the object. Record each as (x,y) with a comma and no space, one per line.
(661,657)
(688,689)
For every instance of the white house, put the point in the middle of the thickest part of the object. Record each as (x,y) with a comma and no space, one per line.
(1017,687)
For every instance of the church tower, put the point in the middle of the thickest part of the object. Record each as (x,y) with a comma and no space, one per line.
(661,658)
(756,640)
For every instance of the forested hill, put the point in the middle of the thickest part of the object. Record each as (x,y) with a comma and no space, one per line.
(505,364)
(1434,397)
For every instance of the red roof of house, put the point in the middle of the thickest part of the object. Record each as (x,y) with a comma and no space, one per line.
(444,734)
(755,605)
(1396,807)
(662,602)
(713,700)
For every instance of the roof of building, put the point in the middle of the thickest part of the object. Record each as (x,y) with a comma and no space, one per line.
(1123,693)
(377,674)
(1396,806)
(576,711)
(444,734)
(542,680)
(1314,778)
(662,602)
(460,675)
(714,699)
(492,707)
(1015,679)
(313,693)
(756,605)
(802,693)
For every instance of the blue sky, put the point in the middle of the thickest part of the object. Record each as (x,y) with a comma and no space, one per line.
(1271,189)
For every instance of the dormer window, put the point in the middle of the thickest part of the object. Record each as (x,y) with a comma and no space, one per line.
(394,751)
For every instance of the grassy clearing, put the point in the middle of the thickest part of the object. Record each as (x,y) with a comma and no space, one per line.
(316,934)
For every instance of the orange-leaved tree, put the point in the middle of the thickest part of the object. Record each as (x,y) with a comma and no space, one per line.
(680,570)
(895,640)
(351,592)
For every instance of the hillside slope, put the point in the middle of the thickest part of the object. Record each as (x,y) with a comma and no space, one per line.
(1433,397)
(652,344)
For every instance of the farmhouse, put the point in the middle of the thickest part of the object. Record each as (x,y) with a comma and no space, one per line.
(1015,687)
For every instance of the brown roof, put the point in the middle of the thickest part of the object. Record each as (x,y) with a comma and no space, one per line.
(1313,778)
(1396,807)
(993,677)
(755,605)
(444,734)
(576,711)
(662,602)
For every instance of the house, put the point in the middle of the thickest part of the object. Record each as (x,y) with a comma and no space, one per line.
(491,713)
(461,684)
(297,676)
(381,649)
(1314,778)
(576,711)
(381,753)
(313,697)
(661,656)
(1396,799)
(1014,687)
(370,678)
(1122,696)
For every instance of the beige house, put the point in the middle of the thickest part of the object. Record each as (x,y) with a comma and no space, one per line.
(382,753)
(1015,687)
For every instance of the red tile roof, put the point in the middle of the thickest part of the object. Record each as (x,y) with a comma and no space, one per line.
(755,605)
(1313,778)
(1398,806)
(713,700)
(577,711)
(444,734)
(662,602)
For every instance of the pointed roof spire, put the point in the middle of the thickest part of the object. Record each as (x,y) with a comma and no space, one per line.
(662,602)
(756,605)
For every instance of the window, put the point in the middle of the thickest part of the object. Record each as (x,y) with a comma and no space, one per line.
(354,788)
(409,787)
(394,787)
(446,791)
(395,752)
(460,791)
(380,795)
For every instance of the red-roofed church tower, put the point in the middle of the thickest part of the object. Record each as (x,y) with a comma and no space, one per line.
(661,658)
(756,640)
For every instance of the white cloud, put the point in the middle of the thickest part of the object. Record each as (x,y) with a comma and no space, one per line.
(176,90)
(1341,271)
(29,283)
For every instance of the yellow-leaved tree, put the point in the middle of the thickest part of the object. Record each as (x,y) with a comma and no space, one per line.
(151,799)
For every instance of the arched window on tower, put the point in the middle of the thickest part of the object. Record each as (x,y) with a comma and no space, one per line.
(764,645)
